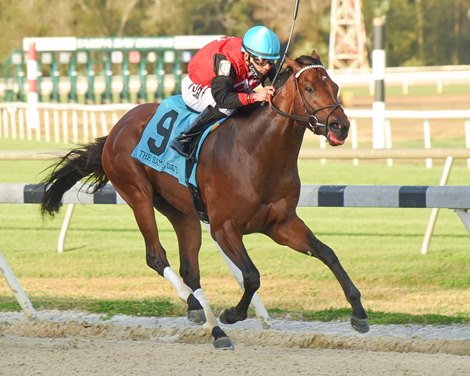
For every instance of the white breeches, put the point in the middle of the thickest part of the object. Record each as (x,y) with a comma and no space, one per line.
(199,97)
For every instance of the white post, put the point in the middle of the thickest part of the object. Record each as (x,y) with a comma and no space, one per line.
(85,137)
(56,126)
(322,146)
(427,141)
(388,140)
(65,228)
(378,72)
(94,127)
(467,138)
(104,127)
(5,122)
(65,126)
(354,142)
(21,125)
(435,211)
(18,291)
(75,127)
(256,302)
(47,126)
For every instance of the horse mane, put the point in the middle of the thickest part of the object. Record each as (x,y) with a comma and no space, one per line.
(285,73)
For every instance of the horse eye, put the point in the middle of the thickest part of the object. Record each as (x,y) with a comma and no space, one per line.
(309,89)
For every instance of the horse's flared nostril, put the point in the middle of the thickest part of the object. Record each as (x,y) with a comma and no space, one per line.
(339,127)
(334,126)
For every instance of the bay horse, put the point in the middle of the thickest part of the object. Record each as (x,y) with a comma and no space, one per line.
(248,180)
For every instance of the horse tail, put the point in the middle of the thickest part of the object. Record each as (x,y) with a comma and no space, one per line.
(83,163)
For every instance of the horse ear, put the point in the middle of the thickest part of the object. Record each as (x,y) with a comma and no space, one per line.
(292,64)
(315,56)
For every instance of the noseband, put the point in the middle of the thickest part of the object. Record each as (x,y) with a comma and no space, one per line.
(312,121)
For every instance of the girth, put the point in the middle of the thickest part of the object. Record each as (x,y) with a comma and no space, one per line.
(196,193)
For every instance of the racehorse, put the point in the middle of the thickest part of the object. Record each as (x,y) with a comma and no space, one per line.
(248,179)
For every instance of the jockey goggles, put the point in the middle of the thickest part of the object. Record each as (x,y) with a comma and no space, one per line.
(262,62)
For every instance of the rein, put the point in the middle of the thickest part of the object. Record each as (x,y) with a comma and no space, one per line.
(312,121)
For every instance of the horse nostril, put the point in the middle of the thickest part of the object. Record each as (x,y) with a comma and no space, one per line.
(336,126)
(339,127)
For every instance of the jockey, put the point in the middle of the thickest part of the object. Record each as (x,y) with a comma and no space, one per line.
(222,76)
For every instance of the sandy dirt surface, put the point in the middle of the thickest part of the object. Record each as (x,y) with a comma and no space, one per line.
(70,343)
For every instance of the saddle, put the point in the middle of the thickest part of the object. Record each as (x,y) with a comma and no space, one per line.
(171,119)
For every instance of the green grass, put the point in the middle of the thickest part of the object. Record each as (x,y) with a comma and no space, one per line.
(377,318)
(103,269)
(147,307)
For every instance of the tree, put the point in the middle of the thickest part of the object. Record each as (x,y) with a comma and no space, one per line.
(431,32)
(31,18)
(108,17)
(418,32)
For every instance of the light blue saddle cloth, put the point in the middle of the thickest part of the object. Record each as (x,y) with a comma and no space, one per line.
(171,118)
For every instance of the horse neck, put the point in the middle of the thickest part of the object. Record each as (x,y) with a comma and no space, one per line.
(284,136)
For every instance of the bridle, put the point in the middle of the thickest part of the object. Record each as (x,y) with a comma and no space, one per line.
(312,121)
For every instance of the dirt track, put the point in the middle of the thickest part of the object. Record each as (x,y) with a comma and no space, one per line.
(77,344)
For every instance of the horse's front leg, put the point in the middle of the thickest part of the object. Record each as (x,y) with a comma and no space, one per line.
(296,235)
(230,240)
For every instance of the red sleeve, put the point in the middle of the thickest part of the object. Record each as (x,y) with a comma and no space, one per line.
(243,97)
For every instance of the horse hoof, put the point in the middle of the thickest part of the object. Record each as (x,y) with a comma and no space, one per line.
(229,316)
(361,325)
(223,317)
(197,316)
(221,340)
(223,343)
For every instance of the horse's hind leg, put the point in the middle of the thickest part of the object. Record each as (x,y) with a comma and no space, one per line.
(141,200)
(188,231)
(295,234)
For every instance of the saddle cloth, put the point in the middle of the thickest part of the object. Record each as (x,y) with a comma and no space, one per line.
(171,118)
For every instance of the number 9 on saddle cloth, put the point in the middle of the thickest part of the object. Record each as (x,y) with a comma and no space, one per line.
(171,119)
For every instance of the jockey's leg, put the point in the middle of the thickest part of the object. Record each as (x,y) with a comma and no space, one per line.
(187,141)
(200,99)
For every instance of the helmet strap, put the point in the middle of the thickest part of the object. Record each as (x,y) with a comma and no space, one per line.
(253,69)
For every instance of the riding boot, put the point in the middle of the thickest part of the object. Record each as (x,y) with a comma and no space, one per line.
(187,141)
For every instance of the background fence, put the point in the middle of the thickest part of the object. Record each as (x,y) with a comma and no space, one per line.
(78,123)
(407,77)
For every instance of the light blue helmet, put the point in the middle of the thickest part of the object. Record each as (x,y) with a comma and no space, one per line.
(262,42)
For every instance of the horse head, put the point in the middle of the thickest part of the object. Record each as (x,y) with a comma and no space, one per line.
(316,95)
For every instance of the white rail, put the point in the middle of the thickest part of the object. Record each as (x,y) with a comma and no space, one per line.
(83,123)
(441,118)
(60,122)
(440,76)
